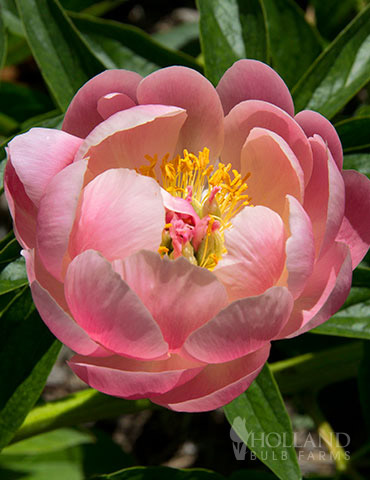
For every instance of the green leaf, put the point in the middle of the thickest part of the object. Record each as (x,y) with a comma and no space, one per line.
(3,40)
(162,473)
(359,162)
(123,46)
(339,72)
(178,36)
(332,16)
(27,352)
(364,385)
(294,51)
(361,276)
(64,59)
(13,276)
(231,30)
(354,133)
(10,251)
(260,419)
(11,18)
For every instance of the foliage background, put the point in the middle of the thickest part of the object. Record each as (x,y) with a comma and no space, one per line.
(48,49)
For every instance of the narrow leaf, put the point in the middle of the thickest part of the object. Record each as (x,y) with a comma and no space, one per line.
(359,162)
(259,418)
(3,40)
(162,473)
(231,30)
(13,276)
(364,385)
(339,72)
(354,133)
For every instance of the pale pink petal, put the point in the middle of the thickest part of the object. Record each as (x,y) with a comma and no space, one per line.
(113,103)
(120,213)
(188,89)
(82,114)
(300,247)
(38,155)
(255,113)
(253,80)
(181,297)
(243,327)
(216,385)
(62,325)
(255,253)
(314,122)
(178,204)
(275,170)
(125,138)
(22,209)
(330,266)
(355,229)
(128,378)
(109,311)
(56,216)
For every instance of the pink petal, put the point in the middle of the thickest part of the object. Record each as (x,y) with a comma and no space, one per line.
(113,103)
(188,89)
(38,155)
(255,113)
(62,325)
(120,213)
(300,247)
(82,114)
(109,311)
(181,297)
(128,378)
(126,137)
(355,229)
(275,171)
(216,385)
(56,216)
(253,80)
(314,122)
(255,253)
(22,209)
(241,328)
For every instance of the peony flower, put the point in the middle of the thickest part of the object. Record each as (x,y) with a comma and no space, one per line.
(171,230)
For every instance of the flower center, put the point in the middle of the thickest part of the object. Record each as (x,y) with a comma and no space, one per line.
(204,200)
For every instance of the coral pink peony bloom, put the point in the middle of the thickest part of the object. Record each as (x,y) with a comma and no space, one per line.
(172,230)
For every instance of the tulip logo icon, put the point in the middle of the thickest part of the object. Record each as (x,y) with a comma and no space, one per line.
(239,447)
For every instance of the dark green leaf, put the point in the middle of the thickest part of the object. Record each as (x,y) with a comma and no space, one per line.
(123,46)
(294,44)
(162,473)
(27,352)
(364,384)
(332,16)
(359,162)
(3,40)
(13,276)
(259,418)
(231,30)
(178,36)
(339,72)
(10,251)
(361,276)
(11,18)
(64,59)
(354,133)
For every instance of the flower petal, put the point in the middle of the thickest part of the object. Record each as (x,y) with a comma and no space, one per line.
(243,327)
(125,138)
(188,89)
(38,155)
(253,80)
(275,171)
(120,212)
(216,385)
(109,311)
(113,103)
(129,378)
(314,122)
(82,114)
(180,296)
(255,253)
(255,113)
(355,230)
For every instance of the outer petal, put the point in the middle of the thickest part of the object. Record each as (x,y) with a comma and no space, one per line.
(38,155)
(82,114)
(113,103)
(56,216)
(188,89)
(120,213)
(355,229)
(128,378)
(216,385)
(181,297)
(253,80)
(125,138)
(314,122)
(255,113)
(112,314)
(62,325)
(241,328)
(275,171)
(255,253)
